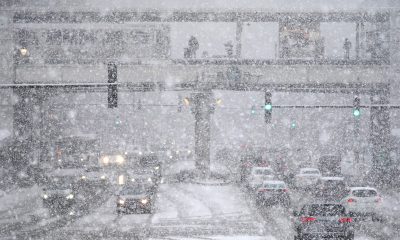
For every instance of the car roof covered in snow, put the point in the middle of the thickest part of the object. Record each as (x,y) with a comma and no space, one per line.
(362,188)
(332,178)
(309,169)
(273,182)
(65,172)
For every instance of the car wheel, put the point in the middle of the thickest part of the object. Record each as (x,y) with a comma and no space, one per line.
(376,218)
(350,236)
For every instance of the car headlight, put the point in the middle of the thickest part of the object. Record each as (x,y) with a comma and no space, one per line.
(105,160)
(121,201)
(83,177)
(132,180)
(45,196)
(119,159)
(144,201)
(70,196)
(103,177)
(149,180)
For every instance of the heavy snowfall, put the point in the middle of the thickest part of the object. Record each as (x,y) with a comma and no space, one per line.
(200,119)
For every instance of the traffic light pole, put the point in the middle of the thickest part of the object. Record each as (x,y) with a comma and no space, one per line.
(202,109)
(380,134)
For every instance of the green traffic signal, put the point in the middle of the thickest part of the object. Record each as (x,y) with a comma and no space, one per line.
(268,107)
(253,110)
(356,112)
(293,125)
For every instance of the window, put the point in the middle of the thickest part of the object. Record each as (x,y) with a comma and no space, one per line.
(365,193)
(325,210)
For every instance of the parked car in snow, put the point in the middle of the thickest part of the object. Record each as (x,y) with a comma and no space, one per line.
(258,175)
(273,192)
(322,220)
(307,177)
(363,201)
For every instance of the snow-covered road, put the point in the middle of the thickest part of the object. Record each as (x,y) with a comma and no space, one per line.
(195,211)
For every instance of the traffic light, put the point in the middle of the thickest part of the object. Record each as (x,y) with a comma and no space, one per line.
(112,89)
(356,107)
(253,109)
(268,107)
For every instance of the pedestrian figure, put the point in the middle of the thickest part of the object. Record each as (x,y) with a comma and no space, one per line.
(347,47)
(193,46)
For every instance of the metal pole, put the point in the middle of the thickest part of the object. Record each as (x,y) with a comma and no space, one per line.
(202,110)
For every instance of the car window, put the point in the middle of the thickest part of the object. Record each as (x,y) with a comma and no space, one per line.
(310,172)
(325,210)
(365,193)
(59,184)
(133,190)
(274,186)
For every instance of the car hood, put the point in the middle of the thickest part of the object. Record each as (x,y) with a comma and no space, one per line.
(58,192)
(136,196)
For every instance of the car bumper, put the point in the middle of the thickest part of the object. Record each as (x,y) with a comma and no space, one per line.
(332,235)
(362,210)
(133,206)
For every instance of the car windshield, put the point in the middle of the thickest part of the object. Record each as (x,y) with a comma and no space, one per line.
(263,172)
(94,169)
(134,190)
(365,193)
(325,210)
(274,186)
(59,184)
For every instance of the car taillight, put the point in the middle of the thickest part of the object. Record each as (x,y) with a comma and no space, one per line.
(378,200)
(345,220)
(307,219)
(262,190)
(285,190)
(351,200)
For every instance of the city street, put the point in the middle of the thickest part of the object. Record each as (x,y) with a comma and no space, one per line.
(192,211)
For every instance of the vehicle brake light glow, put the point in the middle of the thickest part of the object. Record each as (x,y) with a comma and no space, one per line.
(345,220)
(285,190)
(307,219)
(351,200)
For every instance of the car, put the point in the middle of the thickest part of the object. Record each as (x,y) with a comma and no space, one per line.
(323,220)
(331,188)
(258,175)
(95,175)
(363,201)
(307,177)
(59,194)
(272,193)
(135,197)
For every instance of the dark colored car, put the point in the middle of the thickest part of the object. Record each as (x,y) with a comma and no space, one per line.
(323,220)
(273,192)
(135,198)
(331,189)
(59,195)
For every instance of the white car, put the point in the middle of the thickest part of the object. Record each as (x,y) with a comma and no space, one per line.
(307,177)
(258,175)
(363,201)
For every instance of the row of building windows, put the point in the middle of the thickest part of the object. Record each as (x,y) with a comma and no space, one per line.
(81,36)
